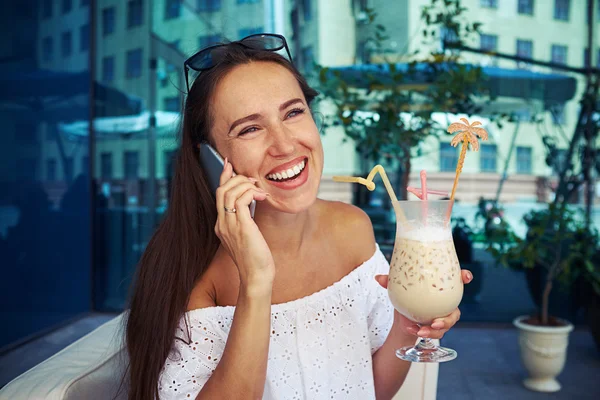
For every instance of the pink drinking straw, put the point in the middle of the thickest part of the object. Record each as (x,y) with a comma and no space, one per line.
(423,192)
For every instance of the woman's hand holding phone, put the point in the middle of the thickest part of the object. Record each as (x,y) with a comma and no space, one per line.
(240,235)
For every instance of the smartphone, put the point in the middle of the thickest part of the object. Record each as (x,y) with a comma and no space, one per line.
(213,163)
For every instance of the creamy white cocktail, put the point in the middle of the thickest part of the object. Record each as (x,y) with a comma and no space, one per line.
(425,280)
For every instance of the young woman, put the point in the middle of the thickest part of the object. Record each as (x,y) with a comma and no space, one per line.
(284,305)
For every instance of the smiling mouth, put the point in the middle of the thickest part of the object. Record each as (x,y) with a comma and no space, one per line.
(288,174)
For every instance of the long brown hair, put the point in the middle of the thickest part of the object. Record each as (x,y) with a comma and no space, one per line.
(184,243)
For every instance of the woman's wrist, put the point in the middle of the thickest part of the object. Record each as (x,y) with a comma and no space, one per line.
(256,288)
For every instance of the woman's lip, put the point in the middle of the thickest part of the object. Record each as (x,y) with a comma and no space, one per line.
(294,183)
(287,165)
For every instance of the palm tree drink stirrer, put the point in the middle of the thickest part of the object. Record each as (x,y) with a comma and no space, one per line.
(468,134)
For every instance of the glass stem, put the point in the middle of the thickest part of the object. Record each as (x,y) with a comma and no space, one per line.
(426,343)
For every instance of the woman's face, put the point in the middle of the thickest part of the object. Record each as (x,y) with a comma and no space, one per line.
(262,124)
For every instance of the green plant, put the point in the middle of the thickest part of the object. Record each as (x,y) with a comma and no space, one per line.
(496,231)
(557,240)
(388,111)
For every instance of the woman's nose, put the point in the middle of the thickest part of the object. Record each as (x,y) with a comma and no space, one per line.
(282,141)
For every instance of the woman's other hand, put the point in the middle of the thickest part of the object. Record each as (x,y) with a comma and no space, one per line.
(438,327)
(240,235)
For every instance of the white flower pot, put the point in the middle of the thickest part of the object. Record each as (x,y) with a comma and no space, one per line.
(543,352)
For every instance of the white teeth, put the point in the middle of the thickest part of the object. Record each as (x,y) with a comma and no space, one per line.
(289,173)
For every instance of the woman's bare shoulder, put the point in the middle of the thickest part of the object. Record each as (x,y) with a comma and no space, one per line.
(208,291)
(351,229)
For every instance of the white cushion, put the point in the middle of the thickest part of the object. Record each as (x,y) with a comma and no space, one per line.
(92,368)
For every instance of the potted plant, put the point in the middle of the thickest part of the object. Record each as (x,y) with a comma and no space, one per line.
(558,241)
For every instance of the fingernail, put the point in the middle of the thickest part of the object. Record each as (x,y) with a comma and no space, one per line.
(412,329)
(225,163)
(470,276)
(437,325)
(253,180)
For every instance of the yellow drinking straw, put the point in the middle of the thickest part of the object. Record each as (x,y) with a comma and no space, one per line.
(368,182)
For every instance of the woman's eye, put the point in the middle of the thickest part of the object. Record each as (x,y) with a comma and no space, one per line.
(295,112)
(248,130)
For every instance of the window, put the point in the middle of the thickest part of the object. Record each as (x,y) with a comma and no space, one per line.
(448,157)
(172,9)
(598,59)
(525,7)
(488,42)
(208,5)
(488,3)
(307,9)
(559,160)
(47,49)
(308,58)
(26,169)
(68,168)
(523,160)
(131,164)
(559,54)
(85,165)
(108,69)
(51,132)
(525,50)
(66,44)
(247,1)
(561,9)
(558,114)
(51,170)
(108,21)
(586,56)
(84,37)
(25,132)
(488,158)
(249,31)
(171,104)
(47,9)
(135,13)
(67,5)
(208,40)
(106,171)
(169,160)
(134,63)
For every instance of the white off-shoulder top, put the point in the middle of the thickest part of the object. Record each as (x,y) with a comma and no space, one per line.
(321,345)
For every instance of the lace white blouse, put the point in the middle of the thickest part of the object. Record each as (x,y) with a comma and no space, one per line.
(321,345)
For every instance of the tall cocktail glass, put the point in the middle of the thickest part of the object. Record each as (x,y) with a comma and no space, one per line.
(425,280)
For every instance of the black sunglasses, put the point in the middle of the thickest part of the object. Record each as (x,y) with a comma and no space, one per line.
(208,57)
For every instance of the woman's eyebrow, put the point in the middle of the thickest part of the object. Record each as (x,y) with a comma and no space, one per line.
(289,103)
(251,117)
(254,117)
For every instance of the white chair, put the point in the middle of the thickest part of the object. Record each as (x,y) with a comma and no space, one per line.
(92,367)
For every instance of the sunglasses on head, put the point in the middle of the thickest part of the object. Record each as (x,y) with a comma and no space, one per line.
(208,57)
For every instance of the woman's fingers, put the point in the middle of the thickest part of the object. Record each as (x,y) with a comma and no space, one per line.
(467,276)
(446,322)
(242,203)
(382,280)
(231,196)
